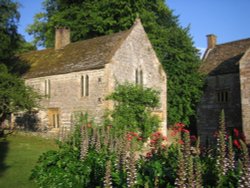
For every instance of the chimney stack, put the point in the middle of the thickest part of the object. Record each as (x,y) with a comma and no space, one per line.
(211,41)
(62,37)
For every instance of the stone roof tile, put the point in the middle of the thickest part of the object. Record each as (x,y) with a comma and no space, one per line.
(224,58)
(78,56)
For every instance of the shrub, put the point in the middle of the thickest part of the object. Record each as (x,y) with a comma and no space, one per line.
(95,157)
(133,109)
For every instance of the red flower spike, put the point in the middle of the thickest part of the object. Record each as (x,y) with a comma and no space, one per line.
(236,144)
(236,133)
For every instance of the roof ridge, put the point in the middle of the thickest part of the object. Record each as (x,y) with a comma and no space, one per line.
(235,41)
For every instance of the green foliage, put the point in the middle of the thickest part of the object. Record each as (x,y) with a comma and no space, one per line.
(158,169)
(8,28)
(133,109)
(171,42)
(11,41)
(14,94)
(111,160)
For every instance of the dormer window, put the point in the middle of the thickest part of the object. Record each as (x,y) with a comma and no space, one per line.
(84,85)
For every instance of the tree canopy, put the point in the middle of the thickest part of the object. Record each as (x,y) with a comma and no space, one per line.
(8,28)
(172,43)
(14,95)
(11,41)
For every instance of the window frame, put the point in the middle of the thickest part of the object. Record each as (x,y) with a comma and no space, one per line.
(84,85)
(47,88)
(223,96)
(139,76)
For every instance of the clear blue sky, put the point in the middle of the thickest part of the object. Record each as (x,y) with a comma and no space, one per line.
(228,19)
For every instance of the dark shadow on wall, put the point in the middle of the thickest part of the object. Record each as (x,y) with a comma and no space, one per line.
(4,148)
(230,65)
(28,121)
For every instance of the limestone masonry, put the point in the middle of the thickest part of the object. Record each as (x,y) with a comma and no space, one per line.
(227,87)
(76,77)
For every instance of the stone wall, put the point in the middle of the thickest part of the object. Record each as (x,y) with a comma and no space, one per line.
(136,52)
(245,93)
(65,98)
(66,95)
(212,104)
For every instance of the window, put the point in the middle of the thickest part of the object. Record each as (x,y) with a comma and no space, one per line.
(139,76)
(222,96)
(55,123)
(47,87)
(84,86)
(54,118)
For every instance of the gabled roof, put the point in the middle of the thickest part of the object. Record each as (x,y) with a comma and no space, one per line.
(78,56)
(224,58)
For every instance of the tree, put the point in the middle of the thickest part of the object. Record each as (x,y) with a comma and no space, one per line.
(15,96)
(173,44)
(8,29)
(11,41)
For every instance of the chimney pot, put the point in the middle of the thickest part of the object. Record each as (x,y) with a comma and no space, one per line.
(211,41)
(62,37)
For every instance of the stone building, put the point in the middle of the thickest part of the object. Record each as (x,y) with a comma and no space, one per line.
(76,77)
(227,86)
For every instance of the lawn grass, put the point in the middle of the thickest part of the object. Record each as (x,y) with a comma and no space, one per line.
(18,155)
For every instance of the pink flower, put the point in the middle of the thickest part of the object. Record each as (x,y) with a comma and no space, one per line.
(174,133)
(152,141)
(180,142)
(149,155)
(180,125)
(185,130)
(193,138)
(164,138)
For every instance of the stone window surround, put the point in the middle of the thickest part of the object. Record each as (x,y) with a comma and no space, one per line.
(84,85)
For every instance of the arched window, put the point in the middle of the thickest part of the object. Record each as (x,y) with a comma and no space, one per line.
(84,86)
